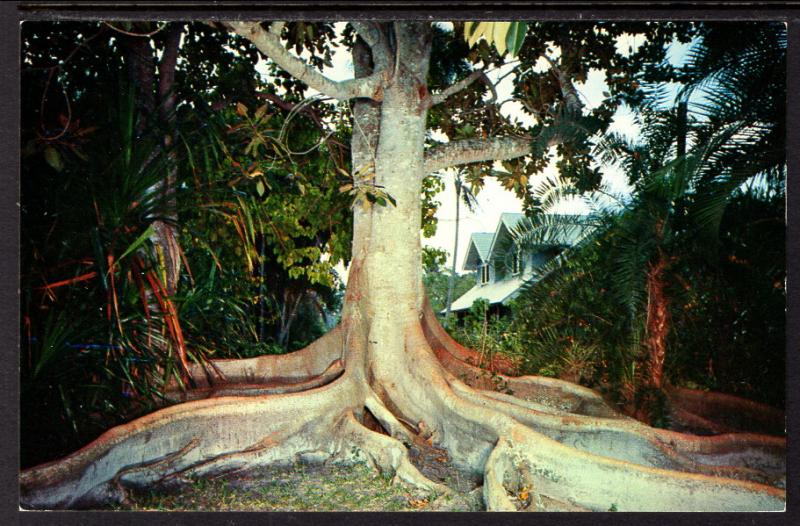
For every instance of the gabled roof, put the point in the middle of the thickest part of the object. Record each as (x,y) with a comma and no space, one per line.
(511,219)
(505,228)
(483,244)
(478,249)
(572,228)
(565,235)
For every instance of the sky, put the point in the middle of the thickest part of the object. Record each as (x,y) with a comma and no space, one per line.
(493,199)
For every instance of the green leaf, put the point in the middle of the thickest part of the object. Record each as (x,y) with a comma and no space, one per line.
(515,37)
(466,131)
(469,27)
(55,336)
(53,158)
(99,255)
(136,244)
(260,188)
(30,148)
(77,151)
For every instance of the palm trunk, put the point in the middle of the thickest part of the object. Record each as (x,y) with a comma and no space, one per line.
(452,279)
(166,231)
(658,322)
(262,293)
(156,99)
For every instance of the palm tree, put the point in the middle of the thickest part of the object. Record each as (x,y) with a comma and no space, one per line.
(735,84)
(674,213)
(737,80)
(470,202)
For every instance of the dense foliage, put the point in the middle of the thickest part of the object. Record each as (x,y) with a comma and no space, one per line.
(259,229)
(701,235)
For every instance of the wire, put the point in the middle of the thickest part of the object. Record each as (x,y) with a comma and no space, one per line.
(131,34)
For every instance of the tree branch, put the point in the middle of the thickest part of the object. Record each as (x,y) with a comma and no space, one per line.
(270,44)
(461,85)
(375,38)
(568,90)
(288,106)
(495,149)
(476,150)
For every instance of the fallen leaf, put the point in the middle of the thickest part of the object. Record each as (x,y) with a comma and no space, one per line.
(418,503)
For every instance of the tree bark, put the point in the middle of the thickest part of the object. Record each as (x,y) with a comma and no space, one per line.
(156,100)
(166,230)
(658,319)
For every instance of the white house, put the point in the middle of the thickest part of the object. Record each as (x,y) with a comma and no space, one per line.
(502,266)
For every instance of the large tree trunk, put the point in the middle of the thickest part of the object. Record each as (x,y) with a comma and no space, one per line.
(389,357)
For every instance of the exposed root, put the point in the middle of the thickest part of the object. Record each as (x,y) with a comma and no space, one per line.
(545,401)
(719,412)
(541,444)
(750,457)
(387,454)
(200,437)
(451,353)
(686,421)
(524,403)
(497,469)
(295,367)
(389,422)
(618,456)
(582,479)
(266,387)
(578,417)
(564,395)
(599,483)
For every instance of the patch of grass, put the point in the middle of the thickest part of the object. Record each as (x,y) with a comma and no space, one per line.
(299,488)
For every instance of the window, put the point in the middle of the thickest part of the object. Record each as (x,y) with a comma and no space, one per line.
(484,274)
(517,263)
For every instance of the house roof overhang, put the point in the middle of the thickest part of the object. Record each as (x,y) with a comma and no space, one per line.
(497,292)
